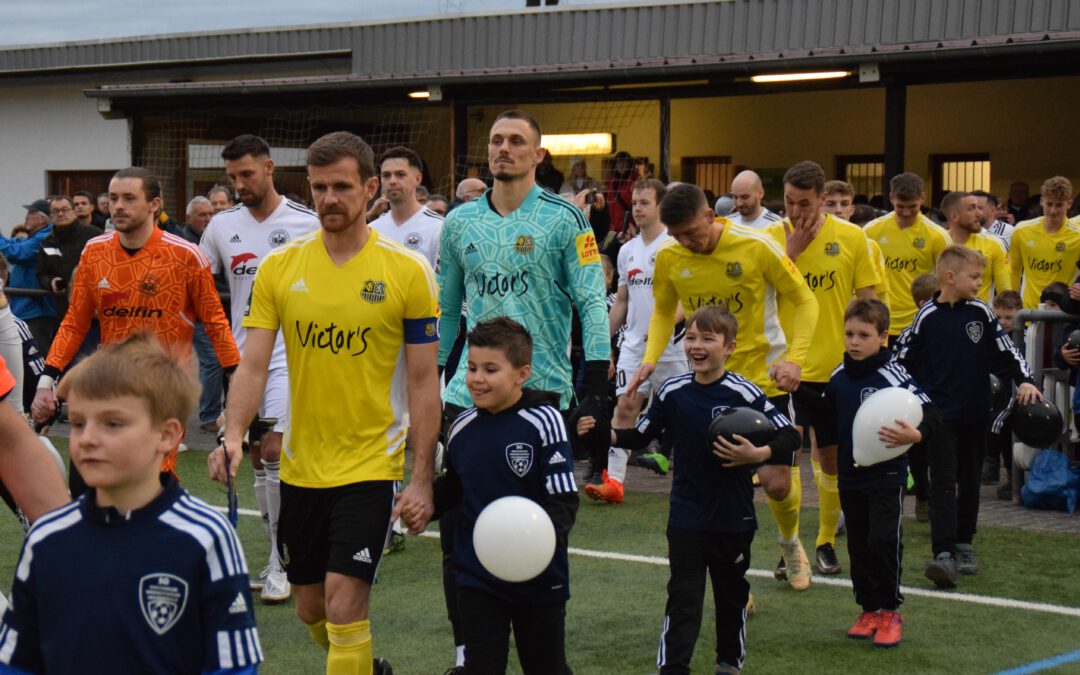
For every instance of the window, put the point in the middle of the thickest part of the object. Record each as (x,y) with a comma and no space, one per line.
(711,174)
(965,172)
(865,173)
(70,182)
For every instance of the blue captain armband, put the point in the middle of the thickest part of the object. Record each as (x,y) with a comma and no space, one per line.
(421,331)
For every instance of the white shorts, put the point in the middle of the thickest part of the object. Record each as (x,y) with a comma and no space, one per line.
(275,401)
(664,370)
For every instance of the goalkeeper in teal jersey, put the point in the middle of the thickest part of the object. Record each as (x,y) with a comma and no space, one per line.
(520,252)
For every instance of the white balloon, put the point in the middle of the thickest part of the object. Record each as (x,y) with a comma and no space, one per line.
(514,539)
(1024,455)
(880,409)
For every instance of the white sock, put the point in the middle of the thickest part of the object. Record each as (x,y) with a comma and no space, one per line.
(460,656)
(273,502)
(260,497)
(616,464)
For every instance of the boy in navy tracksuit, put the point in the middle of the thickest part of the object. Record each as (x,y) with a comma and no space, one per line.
(954,342)
(711,524)
(136,576)
(513,442)
(872,497)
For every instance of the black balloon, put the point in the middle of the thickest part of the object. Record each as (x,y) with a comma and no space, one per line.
(1074,339)
(752,425)
(1037,424)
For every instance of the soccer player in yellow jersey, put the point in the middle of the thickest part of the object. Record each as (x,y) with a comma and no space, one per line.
(911,243)
(1045,249)
(834,258)
(347,300)
(840,202)
(715,262)
(962,211)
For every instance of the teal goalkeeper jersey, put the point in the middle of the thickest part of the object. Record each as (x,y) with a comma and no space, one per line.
(532,266)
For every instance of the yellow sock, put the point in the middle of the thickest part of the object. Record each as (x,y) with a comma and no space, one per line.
(786,510)
(318,633)
(828,508)
(350,648)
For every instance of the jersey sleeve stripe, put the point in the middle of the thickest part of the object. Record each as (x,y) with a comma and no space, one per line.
(579,217)
(8,642)
(253,645)
(751,233)
(201,535)
(184,243)
(238,648)
(300,207)
(460,423)
(540,423)
(222,526)
(673,384)
(59,521)
(425,266)
(214,524)
(556,421)
(224,646)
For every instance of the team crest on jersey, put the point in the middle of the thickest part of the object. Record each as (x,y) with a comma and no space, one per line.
(413,240)
(373,291)
(520,458)
(278,237)
(719,409)
(974,331)
(832,248)
(867,393)
(162,597)
(524,244)
(1060,247)
(734,270)
(148,284)
(919,243)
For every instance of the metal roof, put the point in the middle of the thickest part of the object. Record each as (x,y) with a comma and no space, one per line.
(601,37)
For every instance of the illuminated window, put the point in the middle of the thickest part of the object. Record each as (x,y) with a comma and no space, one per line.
(864,172)
(711,174)
(959,172)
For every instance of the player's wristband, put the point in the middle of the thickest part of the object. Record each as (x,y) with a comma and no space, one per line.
(46,382)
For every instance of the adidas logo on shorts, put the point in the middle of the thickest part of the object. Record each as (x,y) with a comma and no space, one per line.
(362,556)
(235,239)
(557,458)
(239,605)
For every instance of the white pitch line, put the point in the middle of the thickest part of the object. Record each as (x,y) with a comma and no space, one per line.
(988,600)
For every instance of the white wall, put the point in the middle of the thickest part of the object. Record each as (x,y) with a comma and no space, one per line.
(48,127)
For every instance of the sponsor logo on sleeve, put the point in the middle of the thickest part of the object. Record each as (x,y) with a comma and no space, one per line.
(587,250)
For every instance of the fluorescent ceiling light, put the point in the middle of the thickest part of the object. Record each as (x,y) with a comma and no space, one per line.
(578,144)
(797,77)
(423,93)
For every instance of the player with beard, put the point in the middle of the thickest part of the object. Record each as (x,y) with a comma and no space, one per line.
(236,242)
(347,300)
(136,278)
(962,212)
(521,252)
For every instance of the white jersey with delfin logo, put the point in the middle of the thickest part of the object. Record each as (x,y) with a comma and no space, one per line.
(419,233)
(236,243)
(637,260)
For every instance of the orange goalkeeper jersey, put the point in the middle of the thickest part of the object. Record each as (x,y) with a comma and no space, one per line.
(165,287)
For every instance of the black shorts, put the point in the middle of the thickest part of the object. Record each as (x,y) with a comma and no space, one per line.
(805,417)
(339,529)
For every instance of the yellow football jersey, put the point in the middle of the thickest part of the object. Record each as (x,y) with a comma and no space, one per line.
(746,271)
(345,328)
(878,259)
(998,271)
(834,265)
(1040,258)
(909,253)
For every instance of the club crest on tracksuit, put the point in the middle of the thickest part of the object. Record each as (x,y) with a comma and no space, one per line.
(162,598)
(975,331)
(866,393)
(520,458)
